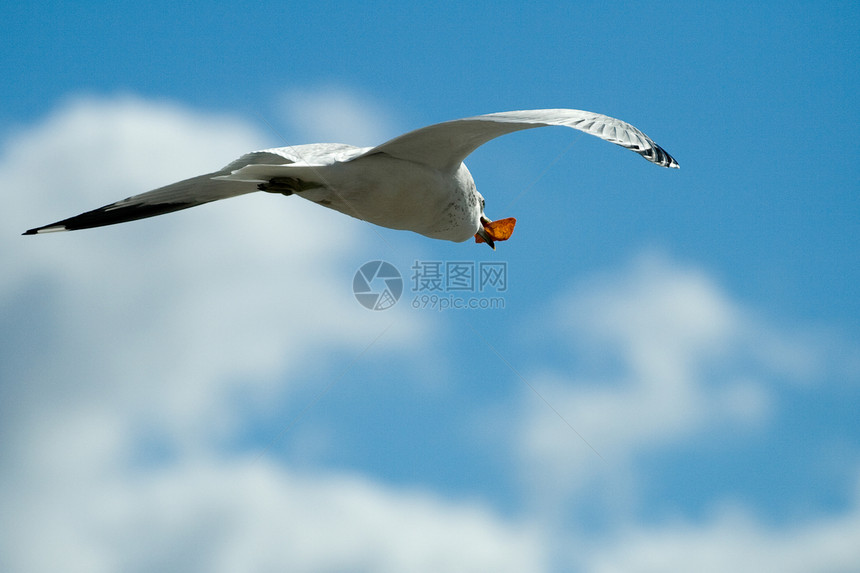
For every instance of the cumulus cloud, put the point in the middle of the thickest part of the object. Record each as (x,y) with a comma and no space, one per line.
(664,358)
(148,333)
(237,289)
(734,540)
(209,515)
(667,356)
(133,354)
(337,115)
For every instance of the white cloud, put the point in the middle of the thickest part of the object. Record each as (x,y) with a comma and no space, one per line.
(733,540)
(665,358)
(151,330)
(154,328)
(334,115)
(665,319)
(206,515)
(676,359)
(169,313)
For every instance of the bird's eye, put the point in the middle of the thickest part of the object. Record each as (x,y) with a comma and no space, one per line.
(483,203)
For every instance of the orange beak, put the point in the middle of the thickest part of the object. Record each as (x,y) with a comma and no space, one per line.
(500,230)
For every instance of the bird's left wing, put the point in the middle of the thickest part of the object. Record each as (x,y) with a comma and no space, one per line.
(174,197)
(446,145)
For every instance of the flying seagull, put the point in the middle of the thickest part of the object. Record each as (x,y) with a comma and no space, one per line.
(416,182)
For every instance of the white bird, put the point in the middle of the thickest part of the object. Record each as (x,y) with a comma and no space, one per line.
(416,182)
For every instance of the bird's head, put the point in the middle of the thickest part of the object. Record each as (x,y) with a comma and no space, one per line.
(490,231)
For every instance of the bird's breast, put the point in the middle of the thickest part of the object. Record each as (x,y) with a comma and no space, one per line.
(401,194)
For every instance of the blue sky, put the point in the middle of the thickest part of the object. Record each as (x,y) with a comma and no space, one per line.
(672,383)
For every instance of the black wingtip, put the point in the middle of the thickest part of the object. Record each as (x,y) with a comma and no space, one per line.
(660,156)
(53,228)
(111,215)
(673,164)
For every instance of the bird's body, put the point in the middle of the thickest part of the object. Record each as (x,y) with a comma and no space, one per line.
(416,182)
(383,190)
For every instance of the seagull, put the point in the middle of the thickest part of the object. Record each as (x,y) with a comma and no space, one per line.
(415,182)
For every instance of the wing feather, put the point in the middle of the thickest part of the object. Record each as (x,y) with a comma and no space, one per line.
(174,197)
(445,145)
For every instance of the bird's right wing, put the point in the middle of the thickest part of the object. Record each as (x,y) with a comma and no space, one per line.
(446,145)
(174,197)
